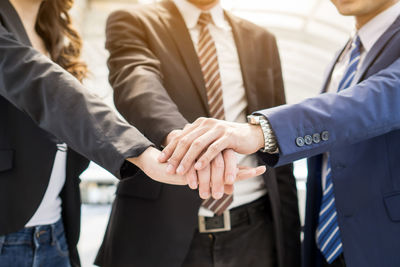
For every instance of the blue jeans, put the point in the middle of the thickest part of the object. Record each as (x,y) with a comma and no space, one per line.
(43,246)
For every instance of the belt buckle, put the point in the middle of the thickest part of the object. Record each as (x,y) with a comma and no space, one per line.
(227,224)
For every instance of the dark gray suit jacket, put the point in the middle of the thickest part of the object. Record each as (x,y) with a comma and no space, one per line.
(37,97)
(159,87)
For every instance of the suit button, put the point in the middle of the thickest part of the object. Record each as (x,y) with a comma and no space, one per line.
(308,139)
(325,136)
(316,138)
(300,141)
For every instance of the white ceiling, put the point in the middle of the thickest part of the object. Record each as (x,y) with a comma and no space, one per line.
(309,32)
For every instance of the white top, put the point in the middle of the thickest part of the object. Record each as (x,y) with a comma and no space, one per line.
(49,210)
(234,95)
(369,34)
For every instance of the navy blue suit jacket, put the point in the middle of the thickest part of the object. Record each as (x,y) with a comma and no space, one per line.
(363,125)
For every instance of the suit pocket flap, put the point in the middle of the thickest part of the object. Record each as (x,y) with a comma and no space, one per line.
(6,160)
(392,203)
(139,185)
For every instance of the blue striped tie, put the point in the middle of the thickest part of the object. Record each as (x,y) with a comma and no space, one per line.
(328,234)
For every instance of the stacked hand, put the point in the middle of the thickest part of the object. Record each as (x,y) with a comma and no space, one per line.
(202,152)
(218,172)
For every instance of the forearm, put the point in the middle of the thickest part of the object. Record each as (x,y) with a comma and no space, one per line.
(142,100)
(369,109)
(58,103)
(137,79)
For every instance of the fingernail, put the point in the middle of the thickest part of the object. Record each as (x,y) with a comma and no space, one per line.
(218,195)
(161,157)
(198,165)
(204,195)
(231,178)
(180,170)
(170,168)
(193,185)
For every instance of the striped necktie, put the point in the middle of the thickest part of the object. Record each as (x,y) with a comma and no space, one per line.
(328,234)
(208,58)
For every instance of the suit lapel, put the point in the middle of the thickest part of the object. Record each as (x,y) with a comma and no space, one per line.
(377,48)
(175,24)
(243,46)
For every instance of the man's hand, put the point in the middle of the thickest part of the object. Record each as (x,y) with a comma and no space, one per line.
(219,176)
(213,180)
(211,136)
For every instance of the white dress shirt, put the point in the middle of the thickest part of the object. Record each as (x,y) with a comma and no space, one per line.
(234,95)
(49,210)
(369,34)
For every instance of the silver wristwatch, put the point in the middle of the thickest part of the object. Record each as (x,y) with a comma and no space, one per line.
(270,143)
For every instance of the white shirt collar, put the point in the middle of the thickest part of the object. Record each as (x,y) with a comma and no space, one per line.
(373,30)
(191,14)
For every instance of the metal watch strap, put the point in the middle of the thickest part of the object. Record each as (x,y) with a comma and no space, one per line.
(270,143)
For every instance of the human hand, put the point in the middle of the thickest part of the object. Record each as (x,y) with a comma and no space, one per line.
(209,136)
(148,163)
(218,176)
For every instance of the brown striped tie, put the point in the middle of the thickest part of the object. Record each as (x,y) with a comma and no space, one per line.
(207,53)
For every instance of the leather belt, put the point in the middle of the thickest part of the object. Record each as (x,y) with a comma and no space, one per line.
(235,217)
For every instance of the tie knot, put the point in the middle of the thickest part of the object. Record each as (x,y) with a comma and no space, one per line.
(204,19)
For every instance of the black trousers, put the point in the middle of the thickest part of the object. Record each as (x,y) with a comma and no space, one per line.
(251,243)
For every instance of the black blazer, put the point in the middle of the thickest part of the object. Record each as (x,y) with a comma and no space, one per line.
(159,87)
(36,92)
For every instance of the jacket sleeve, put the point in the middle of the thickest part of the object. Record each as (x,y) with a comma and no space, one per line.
(136,78)
(58,103)
(366,110)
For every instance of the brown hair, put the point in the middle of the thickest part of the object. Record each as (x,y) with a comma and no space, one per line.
(62,41)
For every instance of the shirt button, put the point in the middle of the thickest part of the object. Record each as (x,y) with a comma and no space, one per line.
(300,141)
(308,139)
(325,136)
(316,138)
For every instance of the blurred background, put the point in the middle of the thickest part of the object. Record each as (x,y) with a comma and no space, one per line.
(309,32)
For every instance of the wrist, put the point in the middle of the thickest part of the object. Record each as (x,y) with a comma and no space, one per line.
(258,135)
(140,160)
(270,144)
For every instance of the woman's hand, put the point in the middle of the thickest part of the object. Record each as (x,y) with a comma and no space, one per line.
(149,164)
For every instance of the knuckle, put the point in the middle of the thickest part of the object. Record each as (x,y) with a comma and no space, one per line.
(229,133)
(185,163)
(173,161)
(208,121)
(219,127)
(213,148)
(197,144)
(200,120)
(184,141)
